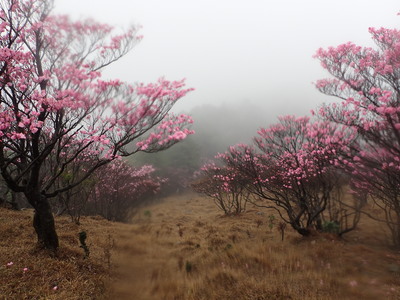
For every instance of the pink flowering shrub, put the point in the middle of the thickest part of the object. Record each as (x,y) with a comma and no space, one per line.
(367,82)
(226,187)
(119,189)
(292,170)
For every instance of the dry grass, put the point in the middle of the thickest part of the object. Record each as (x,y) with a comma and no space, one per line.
(183,248)
(73,276)
(188,250)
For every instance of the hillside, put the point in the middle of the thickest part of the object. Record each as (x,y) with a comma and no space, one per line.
(183,248)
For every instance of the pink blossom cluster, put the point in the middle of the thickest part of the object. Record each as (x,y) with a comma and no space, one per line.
(300,150)
(169,131)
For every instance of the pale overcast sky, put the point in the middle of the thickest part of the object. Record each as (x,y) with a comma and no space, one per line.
(237,50)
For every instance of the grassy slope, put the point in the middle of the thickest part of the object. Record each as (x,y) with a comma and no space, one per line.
(187,250)
(74,276)
(182,248)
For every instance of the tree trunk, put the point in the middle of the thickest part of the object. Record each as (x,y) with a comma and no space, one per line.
(300,229)
(43,222)
(304,231)
(13,202)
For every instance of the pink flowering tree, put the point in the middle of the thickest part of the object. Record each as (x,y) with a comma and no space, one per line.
(367,83)
(55,108)
(293,171)
(226,187)
(119,189)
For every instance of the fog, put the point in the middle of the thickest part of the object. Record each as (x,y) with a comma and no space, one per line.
(249,61)
(237,50)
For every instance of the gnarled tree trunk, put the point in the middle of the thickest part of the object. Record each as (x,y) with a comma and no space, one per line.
(43,222)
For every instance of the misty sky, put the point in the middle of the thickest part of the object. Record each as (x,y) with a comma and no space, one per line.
(237,50)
